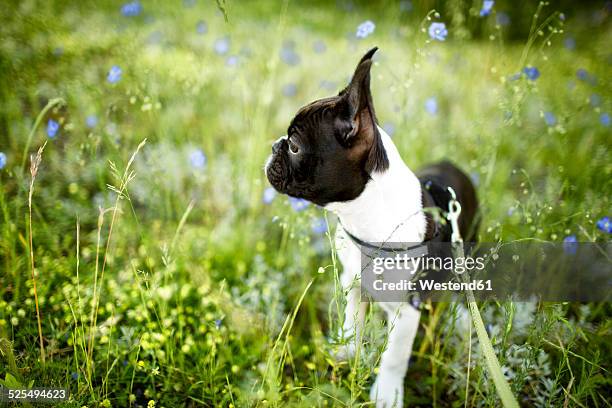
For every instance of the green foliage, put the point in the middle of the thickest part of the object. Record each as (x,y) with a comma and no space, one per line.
(197,296)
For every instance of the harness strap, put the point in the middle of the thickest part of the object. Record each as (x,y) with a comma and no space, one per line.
(432,229)
(382,247)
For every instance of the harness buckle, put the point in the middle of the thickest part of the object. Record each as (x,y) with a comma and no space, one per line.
(454,210)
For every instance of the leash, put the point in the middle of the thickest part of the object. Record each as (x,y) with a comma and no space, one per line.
(501,384)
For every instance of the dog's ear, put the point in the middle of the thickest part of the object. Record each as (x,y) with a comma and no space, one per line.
(357,93)
(363,128)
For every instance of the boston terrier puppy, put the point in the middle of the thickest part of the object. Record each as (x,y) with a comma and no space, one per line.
(336,155)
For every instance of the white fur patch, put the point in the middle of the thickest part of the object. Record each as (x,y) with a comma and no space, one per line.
(390,209)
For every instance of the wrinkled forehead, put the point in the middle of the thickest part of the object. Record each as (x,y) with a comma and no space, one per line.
(311,115)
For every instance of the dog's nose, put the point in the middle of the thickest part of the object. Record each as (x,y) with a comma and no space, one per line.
(277,145)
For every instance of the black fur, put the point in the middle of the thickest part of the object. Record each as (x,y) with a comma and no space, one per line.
(446,174)
(339,145)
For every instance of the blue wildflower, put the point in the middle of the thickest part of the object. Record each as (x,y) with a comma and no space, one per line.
(52,128)
(487,6)
(131,9)
(347,5)
(319,226)
(585,76)
(431,105)
(290,90)
(569,43)
(604,224)
(74,376)
(2,160)
(298,204)
(319,47)
(114,74)
(201,27)
(415,301)
(595,100)
(329,85)
(389,128)
(197,159)
(550,118)
(91,121)
(503,19)
(288,54)
(475,177)
(268,195)
(222,45)
(510,211)
(406,6)
(604,119)
(438,31)
(218,323)
(231,61)
(570,244)
(562,16)
(532,73)
(365,29)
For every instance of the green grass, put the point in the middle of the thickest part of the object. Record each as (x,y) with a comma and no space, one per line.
(204,295)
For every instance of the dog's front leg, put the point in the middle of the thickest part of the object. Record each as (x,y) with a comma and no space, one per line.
(388,389)
(354,313)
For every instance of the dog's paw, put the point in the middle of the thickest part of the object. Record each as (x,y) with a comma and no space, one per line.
(388,391)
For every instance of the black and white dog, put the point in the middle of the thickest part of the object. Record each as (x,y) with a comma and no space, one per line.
(337,156)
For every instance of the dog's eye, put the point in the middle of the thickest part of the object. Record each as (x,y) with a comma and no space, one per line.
(293,148)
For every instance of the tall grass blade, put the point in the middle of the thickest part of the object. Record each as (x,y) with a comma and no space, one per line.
(35,164)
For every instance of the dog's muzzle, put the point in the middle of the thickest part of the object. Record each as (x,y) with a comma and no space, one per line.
(276,168)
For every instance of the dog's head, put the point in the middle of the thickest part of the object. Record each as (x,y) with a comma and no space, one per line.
(332,145)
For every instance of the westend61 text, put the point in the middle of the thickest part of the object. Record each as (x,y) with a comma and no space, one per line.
(432,285)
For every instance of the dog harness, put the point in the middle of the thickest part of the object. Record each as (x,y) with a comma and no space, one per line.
(433,194)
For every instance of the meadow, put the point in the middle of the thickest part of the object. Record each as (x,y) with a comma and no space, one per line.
(144,260)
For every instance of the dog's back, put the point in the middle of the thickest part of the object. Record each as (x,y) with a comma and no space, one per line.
(446,174)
